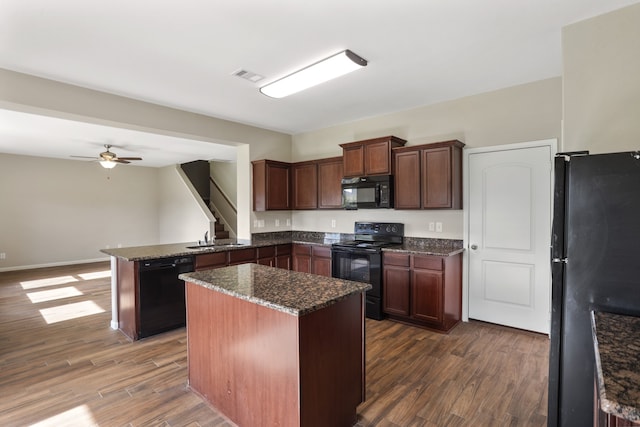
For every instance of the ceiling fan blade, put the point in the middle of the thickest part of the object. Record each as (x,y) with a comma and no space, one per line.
(84,157)
(130,158)
(118,160)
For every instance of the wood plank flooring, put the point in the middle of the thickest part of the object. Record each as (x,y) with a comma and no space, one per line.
(79,372)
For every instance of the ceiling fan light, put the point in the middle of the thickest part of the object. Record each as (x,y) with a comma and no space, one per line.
(108,164)
(320,72)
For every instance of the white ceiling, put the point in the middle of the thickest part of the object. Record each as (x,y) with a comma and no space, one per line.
(182,54)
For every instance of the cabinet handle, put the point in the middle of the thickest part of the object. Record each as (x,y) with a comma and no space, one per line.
(474,247)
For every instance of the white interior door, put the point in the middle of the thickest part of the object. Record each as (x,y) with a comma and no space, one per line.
(509,233)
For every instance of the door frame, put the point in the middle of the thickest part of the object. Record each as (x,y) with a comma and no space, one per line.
(553,149)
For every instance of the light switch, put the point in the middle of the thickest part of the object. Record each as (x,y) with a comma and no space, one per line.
(277,223)
(432,226)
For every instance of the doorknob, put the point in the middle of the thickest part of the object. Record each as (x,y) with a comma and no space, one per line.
(474,247)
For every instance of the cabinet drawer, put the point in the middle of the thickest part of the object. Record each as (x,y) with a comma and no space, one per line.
(266,252)
(242,256)
(302,249)
(427,262)
(401,260)
(283,250)
(216,259)
(321,251)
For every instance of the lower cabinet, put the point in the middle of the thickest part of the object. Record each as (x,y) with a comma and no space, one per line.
(423,290)
(275,256)
(310,258)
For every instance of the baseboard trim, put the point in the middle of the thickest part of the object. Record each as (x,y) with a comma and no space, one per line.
(53,264)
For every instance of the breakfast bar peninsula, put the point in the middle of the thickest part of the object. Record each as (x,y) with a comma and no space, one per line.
(273,347)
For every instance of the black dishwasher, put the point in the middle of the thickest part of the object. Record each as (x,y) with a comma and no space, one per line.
(161,299)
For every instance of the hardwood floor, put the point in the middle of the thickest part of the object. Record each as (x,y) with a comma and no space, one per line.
(80,372)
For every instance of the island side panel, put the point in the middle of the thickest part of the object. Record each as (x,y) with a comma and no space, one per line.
(332,361)
(243,358)
(128,298)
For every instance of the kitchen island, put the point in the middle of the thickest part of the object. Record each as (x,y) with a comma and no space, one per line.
(267,346)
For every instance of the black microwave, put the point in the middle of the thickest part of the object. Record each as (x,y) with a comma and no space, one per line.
(367,192)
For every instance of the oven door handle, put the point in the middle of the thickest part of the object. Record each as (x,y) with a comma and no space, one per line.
(355,250)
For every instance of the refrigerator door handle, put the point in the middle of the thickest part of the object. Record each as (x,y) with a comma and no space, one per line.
(562,260)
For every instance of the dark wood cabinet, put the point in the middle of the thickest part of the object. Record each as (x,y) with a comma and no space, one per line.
(309,258)
(271,185)
(330,173)
(275,256)
(211,260)
(423,290)
(396,284)
(321,260)
(370,157)
(429,176)
(305,185)
(407,192)
(315,184)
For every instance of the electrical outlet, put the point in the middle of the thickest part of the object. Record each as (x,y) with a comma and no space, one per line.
(3,255)
(260,223)
(119,245)
(255,223)
(432,226)
(438,227)
(333,223)
(288,222)
(277,223)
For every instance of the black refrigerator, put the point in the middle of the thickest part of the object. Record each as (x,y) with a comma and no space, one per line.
(595,258)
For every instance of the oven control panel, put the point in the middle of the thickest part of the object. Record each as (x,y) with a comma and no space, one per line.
(379,228)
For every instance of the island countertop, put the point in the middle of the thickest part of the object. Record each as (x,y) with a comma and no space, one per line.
(617,345)
(288,291)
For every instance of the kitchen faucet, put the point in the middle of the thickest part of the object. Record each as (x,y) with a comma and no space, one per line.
(206,240)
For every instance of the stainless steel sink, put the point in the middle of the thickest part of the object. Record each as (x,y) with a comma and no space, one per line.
(214,245)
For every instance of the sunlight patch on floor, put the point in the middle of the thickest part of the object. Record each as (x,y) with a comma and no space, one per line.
(54,294)
(70,311)
(95,275)
(78,416)
(49,281)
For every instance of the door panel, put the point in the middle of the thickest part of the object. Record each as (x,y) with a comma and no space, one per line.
(509,237)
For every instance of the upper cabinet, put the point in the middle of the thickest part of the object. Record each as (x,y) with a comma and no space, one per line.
(305,185)
(271,185)
(429,176)
(370,157)
(330,172)
(314,184)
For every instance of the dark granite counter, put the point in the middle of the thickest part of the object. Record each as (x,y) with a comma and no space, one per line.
(617,348)
(283,290)
(425,246)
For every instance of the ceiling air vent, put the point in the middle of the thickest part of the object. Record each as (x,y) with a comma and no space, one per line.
(248,75)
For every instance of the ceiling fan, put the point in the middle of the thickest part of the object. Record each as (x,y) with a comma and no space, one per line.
(109,159)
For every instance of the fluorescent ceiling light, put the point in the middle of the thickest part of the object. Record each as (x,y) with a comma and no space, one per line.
(320,72)
(108,164)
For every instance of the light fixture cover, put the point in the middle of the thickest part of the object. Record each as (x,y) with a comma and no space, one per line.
(108,164)
(320,72)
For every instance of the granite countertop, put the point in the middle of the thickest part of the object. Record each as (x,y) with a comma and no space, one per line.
(436,247)
(616,340)
(283,290)
(424,246)
(140,253)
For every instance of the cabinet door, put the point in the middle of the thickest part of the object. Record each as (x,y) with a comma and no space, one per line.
(283,261)
(377,158)
(301,258)
(353,160)
(321,260)
(329,184)
(396,289)
(305,185)
(278,187)
(436,178)
(407,180)
(426,292)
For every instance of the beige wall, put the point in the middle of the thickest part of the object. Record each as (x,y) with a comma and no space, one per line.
(601,82)
(518,114)
(64,211)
